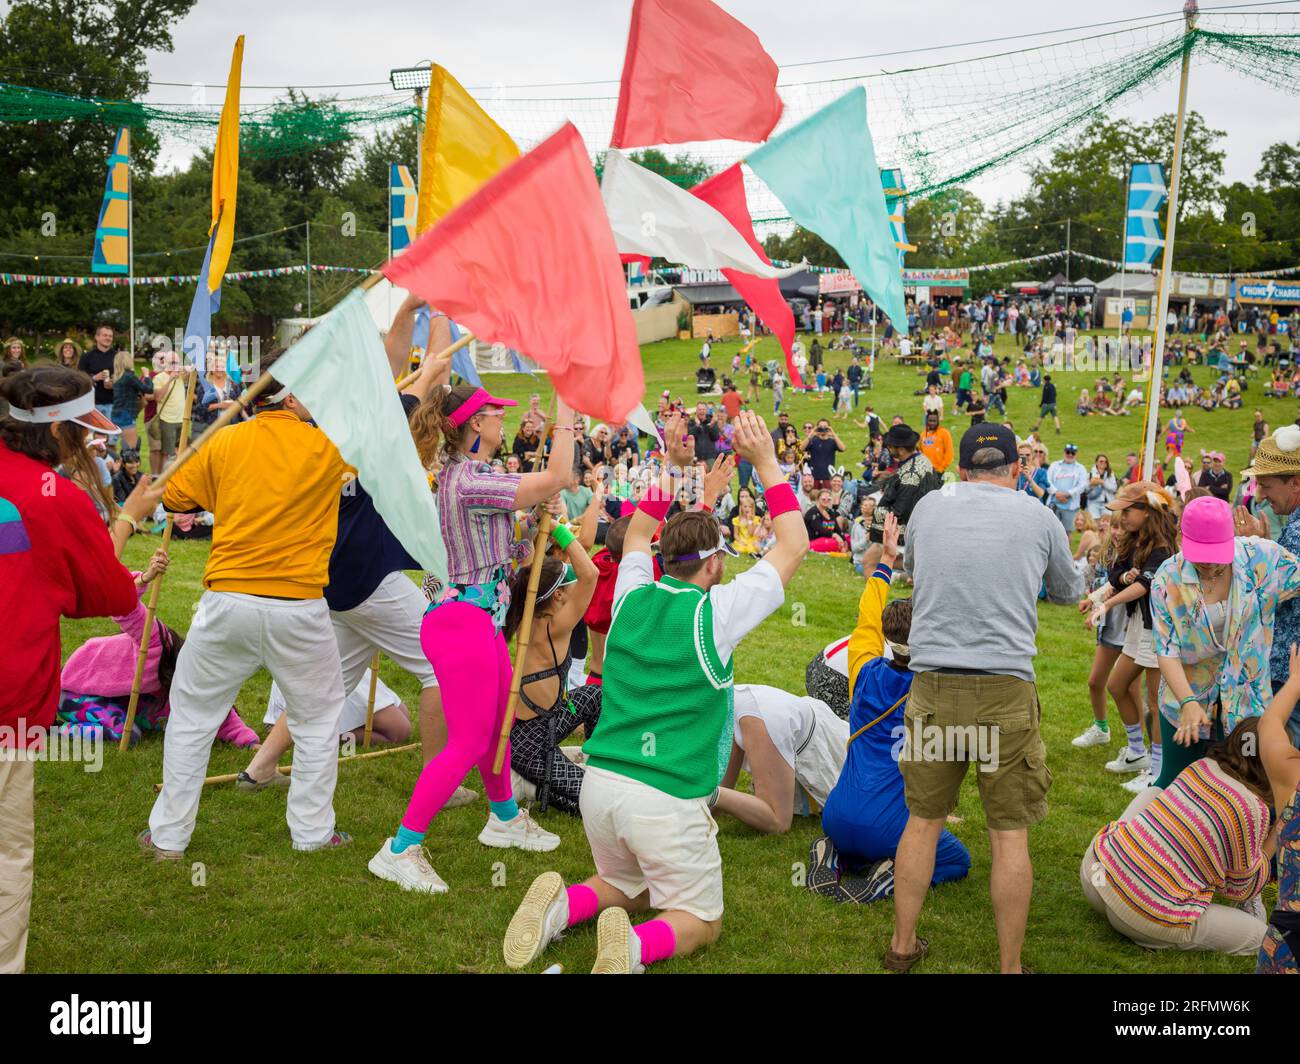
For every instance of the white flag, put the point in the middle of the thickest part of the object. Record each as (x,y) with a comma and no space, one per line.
(652,216)
(341,373)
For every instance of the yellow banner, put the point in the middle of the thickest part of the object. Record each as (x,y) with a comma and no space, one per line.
(225,173)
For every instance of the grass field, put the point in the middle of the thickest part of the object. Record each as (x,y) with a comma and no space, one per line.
(243,901)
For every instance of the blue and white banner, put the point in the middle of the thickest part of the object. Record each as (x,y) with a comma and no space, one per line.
(402,201)
(1147,195)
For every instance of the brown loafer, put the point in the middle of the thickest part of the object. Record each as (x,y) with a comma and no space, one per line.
(905,962)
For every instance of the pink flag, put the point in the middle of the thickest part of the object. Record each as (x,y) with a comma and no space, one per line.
(529,261)
(692,72)
(725,193)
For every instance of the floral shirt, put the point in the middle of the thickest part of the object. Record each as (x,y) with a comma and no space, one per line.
(1236,672)
(1286,629)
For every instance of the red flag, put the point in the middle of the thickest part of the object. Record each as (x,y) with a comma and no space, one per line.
(692,72)
(529,261)
(644,260)
(725,193)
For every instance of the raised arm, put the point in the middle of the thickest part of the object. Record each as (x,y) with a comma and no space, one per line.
(754,444)
(1281,759)
(535,487)
(868,638)
(650,513)
(397,344)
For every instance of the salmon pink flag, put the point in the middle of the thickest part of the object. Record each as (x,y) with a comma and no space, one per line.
(692,72)
(529,261)
(725,193)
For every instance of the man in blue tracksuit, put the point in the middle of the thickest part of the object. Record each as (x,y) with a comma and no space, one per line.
(866,812)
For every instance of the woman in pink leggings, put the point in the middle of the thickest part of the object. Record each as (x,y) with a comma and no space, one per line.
(458,431)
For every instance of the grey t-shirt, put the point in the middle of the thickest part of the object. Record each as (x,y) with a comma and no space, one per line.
(978,554)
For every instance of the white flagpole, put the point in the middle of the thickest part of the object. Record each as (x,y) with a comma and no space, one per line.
(1190,11)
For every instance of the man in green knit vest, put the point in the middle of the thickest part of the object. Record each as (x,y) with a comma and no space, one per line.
(664,739)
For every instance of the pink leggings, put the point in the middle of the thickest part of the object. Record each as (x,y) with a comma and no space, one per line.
(470,659)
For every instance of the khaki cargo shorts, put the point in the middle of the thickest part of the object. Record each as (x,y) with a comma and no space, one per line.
(955,720)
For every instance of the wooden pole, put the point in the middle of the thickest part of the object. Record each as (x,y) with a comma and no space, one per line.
(444,353)
(146,637)
(1167,262)
(370,704)
(530,603)
(287,770)
(525,633)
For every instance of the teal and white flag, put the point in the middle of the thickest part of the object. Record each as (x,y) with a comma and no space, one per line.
(824,171)
(340,372)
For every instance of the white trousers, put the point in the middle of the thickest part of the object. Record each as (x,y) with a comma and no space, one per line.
(231,635)
(17,845)
(389,620)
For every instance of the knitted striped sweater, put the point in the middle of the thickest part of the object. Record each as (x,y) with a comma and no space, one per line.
(1204,835)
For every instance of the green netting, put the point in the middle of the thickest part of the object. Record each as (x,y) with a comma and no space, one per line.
(279,129)
(943,124)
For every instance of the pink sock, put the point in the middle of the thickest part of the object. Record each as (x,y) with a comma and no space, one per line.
(583,903)
(657,940)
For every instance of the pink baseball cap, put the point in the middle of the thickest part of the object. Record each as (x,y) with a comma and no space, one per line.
(1207,531)
(476,402)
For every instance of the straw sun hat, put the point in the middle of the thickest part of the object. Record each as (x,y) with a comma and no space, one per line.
(1278,455)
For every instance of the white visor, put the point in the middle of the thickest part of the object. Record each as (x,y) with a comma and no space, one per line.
(80,411)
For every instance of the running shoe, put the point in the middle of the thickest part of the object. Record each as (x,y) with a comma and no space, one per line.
(541,918)
(409,869)
(618,950)
(1094,736)
(461,796)
(1140,782)
(521,832)
(245,782)
(823,867)
(1127,761)
(145,839)
(339,838)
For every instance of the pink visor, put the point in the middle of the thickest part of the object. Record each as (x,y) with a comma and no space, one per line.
(475,403)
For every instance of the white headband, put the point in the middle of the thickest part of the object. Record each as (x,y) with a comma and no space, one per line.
(69,410)
(899,649)
(278,397)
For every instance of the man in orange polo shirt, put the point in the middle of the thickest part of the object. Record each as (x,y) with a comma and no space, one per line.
(272,484)
(936,443)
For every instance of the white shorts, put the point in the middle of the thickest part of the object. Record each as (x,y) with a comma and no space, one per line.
(1140,642)
(389,620)
(354,706)
(643,838)
(817,765)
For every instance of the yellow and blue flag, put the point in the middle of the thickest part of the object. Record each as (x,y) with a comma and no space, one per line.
(113,232)
(221,230)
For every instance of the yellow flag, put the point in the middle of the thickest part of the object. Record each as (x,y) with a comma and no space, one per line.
(462,148)
(225,173)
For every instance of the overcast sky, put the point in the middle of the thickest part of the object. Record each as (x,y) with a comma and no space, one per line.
(498,44)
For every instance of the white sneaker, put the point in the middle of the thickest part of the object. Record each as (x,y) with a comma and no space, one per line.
(541,918)
(618,950)
(461,796)
(1094,736)
(1127,762)
(1140,782)
(524,790)
(409,869)
(522,832)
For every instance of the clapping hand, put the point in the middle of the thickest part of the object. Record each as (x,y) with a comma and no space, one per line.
(1244,523)
(889,556)
(717,479)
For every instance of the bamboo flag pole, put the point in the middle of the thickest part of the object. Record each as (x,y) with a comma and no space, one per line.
(287,770)
(146,636)
(1167,262)
(444,353)
(370,704)
(526,624)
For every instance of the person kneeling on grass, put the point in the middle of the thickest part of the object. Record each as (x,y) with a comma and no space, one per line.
(793,748)
(664,739)
(391,724)
(866,812)
(548,712)
(96,680)
(1154,872)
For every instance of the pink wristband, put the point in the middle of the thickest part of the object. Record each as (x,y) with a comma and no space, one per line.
(655,508)
(780,500)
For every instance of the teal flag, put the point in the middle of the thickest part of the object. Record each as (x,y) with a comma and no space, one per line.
(340,372)
(824,171)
